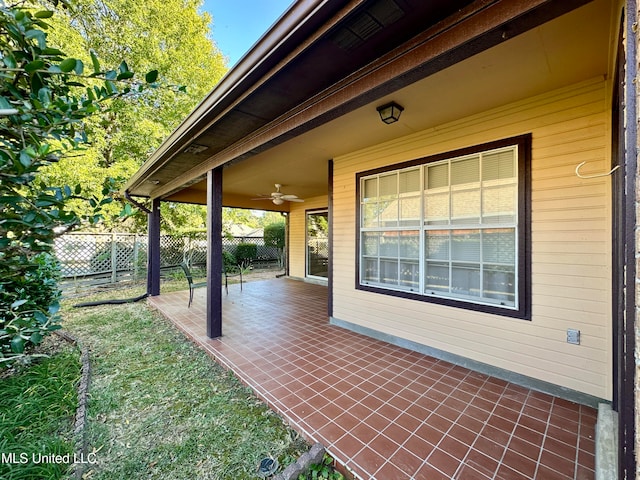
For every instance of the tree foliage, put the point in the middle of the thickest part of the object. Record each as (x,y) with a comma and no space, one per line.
(169,36)
(45,98)
(275,236)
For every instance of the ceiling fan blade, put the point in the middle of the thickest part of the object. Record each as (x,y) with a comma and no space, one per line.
(294,199)
(288,197)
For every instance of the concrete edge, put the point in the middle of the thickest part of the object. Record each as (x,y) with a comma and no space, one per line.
(314,456)
(606,443)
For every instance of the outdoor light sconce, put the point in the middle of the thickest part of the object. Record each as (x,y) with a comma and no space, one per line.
(390,112)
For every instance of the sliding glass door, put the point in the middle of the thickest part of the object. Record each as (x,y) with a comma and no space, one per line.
(318,244)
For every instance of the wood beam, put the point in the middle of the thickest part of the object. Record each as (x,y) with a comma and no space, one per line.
(627,442)
(153,259)
(330,265)
(214,253)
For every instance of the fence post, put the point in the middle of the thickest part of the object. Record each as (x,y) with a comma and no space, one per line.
(114,258)
(135,257)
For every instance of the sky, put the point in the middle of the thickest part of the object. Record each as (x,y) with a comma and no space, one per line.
(238,24)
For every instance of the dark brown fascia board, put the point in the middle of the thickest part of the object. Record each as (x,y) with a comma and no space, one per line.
(480,26)
(259,64)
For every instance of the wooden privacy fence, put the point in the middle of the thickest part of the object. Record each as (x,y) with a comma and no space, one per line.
(95,259)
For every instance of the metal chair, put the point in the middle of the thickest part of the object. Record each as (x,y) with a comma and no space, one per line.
(192,286)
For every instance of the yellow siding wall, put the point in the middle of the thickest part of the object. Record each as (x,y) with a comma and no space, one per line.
(297,233)
(571,244)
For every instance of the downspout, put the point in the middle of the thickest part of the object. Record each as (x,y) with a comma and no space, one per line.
(149,213)
(135,203)
(150,269)
(153,264)
(124,300)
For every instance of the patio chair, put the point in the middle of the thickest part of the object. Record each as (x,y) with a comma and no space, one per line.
(231,271)
(227,272)
(192,285)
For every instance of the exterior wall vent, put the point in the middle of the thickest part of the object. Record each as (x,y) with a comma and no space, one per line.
(367,23)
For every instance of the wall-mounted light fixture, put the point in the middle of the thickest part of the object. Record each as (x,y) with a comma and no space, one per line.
(390,112)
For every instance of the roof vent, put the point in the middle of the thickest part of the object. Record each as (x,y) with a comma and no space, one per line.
(367,23)
(195,148)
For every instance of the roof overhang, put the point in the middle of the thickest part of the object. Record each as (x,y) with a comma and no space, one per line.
(307,90)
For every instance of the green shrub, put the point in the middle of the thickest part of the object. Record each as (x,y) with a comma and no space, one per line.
(228,260)
(274,235)
(246,253)
(29,306)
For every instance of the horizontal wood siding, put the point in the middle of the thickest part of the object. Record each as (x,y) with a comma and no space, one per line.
(297,233)
(571,244)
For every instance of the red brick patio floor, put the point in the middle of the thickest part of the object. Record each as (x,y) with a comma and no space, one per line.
(382,411)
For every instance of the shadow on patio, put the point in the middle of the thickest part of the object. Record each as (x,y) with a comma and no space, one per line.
(383,411)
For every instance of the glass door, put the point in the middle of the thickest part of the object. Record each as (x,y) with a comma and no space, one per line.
(318,244)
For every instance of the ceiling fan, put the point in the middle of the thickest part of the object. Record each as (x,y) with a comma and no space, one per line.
(278,198)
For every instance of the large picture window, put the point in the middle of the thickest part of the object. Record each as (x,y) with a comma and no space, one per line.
(450,229)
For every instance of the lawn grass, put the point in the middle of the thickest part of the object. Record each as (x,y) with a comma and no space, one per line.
(37,409)
(161,408)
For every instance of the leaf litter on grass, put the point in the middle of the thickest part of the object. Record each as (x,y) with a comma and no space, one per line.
(161,408)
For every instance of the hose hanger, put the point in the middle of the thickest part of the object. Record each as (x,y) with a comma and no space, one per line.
(594,175)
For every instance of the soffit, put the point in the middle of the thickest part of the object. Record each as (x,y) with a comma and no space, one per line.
(351,37)
(564,51)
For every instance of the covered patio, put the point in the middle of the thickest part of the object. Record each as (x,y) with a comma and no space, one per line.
(383,411)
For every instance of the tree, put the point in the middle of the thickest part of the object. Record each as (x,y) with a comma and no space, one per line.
(238,216)
(45,97)
(274,236)
(270,217)
(168,35)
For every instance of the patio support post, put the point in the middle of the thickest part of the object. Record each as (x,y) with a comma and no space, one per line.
(153,266)
(214,253)
(330,266)
(628,442)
